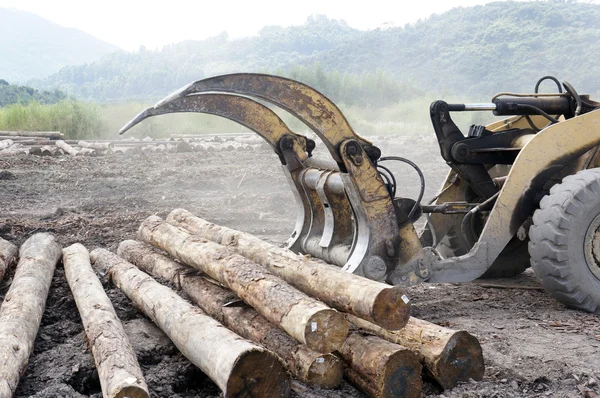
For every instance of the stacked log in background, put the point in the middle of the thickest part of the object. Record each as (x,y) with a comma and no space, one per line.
(53,144)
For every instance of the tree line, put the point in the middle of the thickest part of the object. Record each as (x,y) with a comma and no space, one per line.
(471,52)
(13,94)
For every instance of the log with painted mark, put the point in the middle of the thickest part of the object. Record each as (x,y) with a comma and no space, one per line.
(376,302)
(304,318)
(311,367)
(240,368)
(449,356)
(381,369)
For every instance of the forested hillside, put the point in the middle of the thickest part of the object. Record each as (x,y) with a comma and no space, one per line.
(473,52)
(13,94)
(32,47)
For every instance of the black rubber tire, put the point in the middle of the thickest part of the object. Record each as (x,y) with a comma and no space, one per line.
(557,240)
(513,260)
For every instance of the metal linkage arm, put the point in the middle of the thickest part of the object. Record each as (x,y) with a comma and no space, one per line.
(547,153)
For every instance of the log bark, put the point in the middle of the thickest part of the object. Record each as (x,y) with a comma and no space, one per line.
(43,134)
(6,143)
(8,254)
(376,302)
(66,148)
(226,358)
(128,150)
(23,306)
(15,149)
(449,356)
(95,145)
(321,370)
(118,369)
(87,152)
(48,150)
(35,150)
(304,318)
(380,368)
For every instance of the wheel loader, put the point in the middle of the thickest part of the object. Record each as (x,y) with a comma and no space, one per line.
(521,191)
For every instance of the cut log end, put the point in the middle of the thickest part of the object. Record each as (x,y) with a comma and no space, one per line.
(391,309)
(326,331)
(326,371)
(381,368)
(258,374)
(131,392)
(402,376)
(462,360)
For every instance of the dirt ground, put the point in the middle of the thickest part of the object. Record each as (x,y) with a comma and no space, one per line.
(533,346)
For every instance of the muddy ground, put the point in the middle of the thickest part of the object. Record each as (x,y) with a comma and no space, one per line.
(533,346)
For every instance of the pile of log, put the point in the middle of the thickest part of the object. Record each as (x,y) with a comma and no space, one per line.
(252,316)
(321,323)
(53,144)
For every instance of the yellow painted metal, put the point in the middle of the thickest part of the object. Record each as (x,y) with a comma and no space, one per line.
(242,110)
(544,155)
(378,235)
(302,101)
(519,122)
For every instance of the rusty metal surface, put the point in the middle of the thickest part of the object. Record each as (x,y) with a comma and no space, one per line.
(242,110)
(380,246)
(302,101)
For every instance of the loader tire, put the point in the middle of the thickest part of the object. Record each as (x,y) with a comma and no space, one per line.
(565,241)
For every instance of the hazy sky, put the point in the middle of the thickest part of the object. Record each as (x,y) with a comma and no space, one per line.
(131,23)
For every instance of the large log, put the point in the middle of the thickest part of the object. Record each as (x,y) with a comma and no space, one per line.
(23,306)
(304,318)
(67,148)
(8,254)
(382,369)
(95,145)
(321,370)
(376,302)
(49,150)
(35,150)
(6,143)
(87,152)
(240,368)
(15,149)
(118,369)
(449,356)
(43,134)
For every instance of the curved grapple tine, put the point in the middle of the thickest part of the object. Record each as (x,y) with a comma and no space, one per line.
(302,101)
(263,122)
(242,110)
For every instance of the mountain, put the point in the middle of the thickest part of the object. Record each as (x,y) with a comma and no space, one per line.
(472,51)
(150,74)
(33,47)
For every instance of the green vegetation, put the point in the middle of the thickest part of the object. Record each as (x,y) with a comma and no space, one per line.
(384,79)
(468,52)
(78,120)
(75,119)
(33,47)
(11,94)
